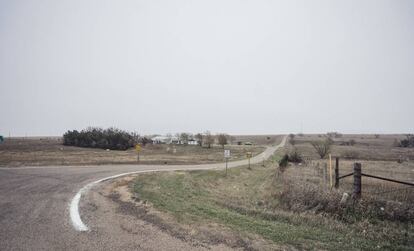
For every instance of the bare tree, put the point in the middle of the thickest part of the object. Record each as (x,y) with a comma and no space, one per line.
(231,139)
(199,137)
(184,137)
(222,139)
(208,139)
(322,147)
(135,136)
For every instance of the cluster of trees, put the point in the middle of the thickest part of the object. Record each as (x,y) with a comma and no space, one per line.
(205,139)
(116,139)
(407,142)
(111,138)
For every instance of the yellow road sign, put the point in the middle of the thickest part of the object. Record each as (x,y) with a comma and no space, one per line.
(137,148)
(249,154)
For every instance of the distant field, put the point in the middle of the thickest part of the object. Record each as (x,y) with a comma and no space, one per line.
(366,147)
(50,151)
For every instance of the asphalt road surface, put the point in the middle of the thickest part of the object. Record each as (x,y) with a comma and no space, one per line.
(34,208)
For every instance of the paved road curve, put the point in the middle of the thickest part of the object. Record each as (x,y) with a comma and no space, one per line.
(34,202)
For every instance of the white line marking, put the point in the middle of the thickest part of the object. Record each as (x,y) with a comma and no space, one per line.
(74,204)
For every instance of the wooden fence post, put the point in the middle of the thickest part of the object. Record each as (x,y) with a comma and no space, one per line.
(325,175)
(336,172)
(357,181)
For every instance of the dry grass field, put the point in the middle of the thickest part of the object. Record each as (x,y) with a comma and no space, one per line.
(267,208)
(365,147)
(378,156)
(50,151)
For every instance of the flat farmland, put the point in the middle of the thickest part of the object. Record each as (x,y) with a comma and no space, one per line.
(48,151)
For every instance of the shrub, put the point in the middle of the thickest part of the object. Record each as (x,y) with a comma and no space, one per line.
(110,138)
(322,147)
(295,157)
(283,162)
(334,134)
(292,139)
(408,142)
(405,143)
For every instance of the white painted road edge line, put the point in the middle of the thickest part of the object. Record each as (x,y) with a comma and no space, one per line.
(74,204)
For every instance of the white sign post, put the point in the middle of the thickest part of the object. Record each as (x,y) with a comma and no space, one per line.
(249,155)
(138,148)
(226,156)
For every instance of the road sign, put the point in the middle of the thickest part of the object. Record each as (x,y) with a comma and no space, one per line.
(249,155)
(138,148)
(227,157)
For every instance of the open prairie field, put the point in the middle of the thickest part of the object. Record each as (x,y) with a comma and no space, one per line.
(377,154)
(358,146)
(50,151)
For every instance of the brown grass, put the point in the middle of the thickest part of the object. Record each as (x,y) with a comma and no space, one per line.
(50,151)
(368,147)
(304,188)
(302,196)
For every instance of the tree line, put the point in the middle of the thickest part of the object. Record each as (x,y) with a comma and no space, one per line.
(111,138)
(205,139)
(116,139)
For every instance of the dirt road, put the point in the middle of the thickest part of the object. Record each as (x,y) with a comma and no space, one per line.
(34,209)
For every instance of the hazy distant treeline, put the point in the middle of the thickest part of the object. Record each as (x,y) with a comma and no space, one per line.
(111,138)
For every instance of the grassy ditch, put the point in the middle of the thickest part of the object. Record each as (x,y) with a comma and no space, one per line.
(245,202)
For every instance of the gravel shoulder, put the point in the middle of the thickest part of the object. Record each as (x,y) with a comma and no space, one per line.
(122,225)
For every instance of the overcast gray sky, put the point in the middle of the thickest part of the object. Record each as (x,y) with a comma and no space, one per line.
(242,67)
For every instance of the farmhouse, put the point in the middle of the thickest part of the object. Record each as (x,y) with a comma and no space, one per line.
(192,142)
(165,140)
(160,140)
